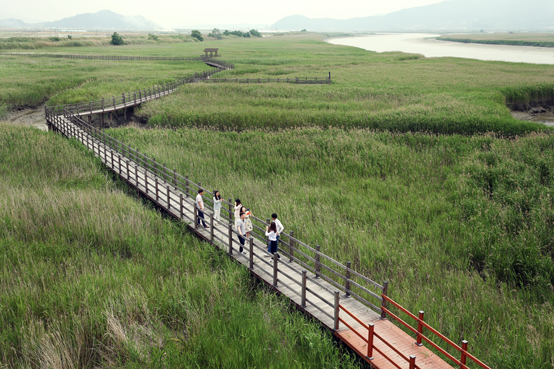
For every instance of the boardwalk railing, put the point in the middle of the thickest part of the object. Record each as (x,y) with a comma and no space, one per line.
(419,336)
(370,338)
(305,80)
(137,97)
(342,277)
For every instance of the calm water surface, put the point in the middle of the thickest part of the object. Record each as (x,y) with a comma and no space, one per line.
(425,44)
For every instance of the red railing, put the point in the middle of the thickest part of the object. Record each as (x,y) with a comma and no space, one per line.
(419,334)
(370,339)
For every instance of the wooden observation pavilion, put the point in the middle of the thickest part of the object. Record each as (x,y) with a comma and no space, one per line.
(211,53)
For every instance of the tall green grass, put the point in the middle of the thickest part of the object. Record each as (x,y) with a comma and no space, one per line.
(92,277)
(30,81)
(462,227)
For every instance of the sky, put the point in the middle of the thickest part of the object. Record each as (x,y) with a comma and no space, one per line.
(186,13)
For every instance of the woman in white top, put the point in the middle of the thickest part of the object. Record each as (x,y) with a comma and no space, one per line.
(271,233)
(238,210)
(217,206)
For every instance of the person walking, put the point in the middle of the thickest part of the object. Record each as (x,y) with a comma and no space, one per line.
(241,229)
(200,208)
(271,233)
(217,205)
(248,223)
(278,224)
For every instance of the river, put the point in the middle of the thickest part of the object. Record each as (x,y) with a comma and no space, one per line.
(425,44)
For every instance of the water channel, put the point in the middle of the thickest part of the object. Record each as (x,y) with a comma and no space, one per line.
(427,45)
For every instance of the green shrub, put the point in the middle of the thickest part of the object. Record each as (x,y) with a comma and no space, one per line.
(152,37)
(197,35)
(117,39)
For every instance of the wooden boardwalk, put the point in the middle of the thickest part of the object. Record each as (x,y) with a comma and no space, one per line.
(308,288)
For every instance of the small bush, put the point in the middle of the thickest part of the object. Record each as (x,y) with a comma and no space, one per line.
(197,35)
(117,39)
(55,39)
(152,37)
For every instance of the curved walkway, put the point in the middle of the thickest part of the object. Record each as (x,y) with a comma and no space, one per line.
(310,279)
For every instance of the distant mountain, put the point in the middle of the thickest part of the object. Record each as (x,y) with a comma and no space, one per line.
(450,15)
(13,23)
(103,19)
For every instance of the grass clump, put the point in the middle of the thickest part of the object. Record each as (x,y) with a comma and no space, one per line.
(462,227)
(90,277)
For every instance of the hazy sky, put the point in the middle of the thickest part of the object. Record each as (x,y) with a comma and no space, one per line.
(179,13)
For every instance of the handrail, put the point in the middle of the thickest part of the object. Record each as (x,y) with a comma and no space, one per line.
(369,340)
(437,333)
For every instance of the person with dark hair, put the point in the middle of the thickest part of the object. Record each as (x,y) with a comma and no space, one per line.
(278,224)
(241,229)
(200,208)
(239,209)
(271,233)
(217,205)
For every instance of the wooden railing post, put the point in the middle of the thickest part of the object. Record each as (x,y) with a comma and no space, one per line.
(347,280)
(337,308)
(146,181)
(231,210)
(181,205)
(384,302)
(464,351)
(187,185)
(275,269)
(420,327)
(304,278)
(317,267)
(251,240)
(212,227)
(156,188)
(291,246)
(370,341)
(230,239)
(195,210)
(412,362)
(168,198)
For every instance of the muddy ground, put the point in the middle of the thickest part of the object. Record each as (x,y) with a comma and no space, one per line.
(540,114)
(34,117)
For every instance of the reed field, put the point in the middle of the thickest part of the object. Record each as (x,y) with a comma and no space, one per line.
(31,81)
(461,227)
(411,168)
(389,91)
(92,277)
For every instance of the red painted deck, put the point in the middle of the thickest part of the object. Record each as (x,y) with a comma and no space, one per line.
(425,359)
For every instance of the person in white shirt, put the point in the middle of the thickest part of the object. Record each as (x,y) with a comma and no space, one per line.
(200,208)
(278,224)
(238,210)
(271,233)
(217,206)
